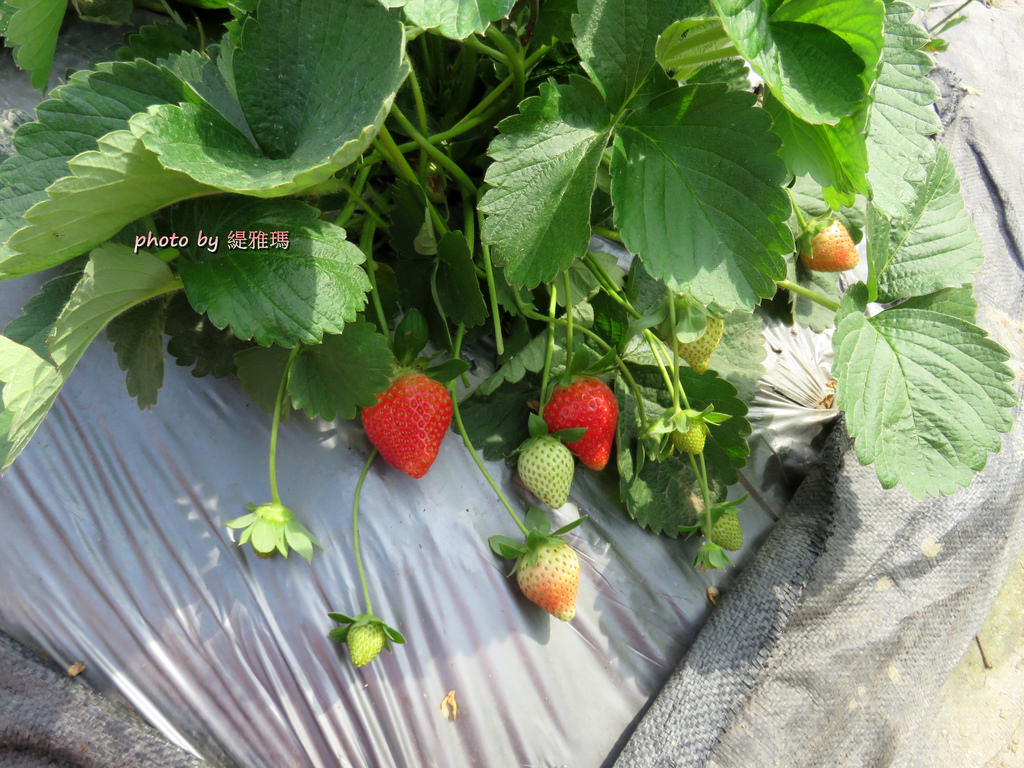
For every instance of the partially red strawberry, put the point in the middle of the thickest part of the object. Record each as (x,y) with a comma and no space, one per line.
(546,468)
(586,403)
(409,422)
(831,249)
(550,576)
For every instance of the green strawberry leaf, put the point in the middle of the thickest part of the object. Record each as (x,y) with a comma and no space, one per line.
(529,358)
(195,342)
(458,288)
(934,246)
(138,339)
(537,426)
(457,19)
(287,73)
(616,41)
(31,28)
(35,324)
(834,155)
(271,293)
(697,194)
(739,357)
(113,281)
(447,371)
(809,313)
(71,122)
(411,336)
(342,374)
(665,495)
(815,72)
(542,181)
(114,12)
(958,302)
(537,520)
(497,422)
(686,47)
(926,394)
(569,526)
(158,41)
(554,22)
(901,117)
(393,634)
(506,547)
(260,369)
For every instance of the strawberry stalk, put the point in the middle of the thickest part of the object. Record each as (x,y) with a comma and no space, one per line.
(355,529)
(530,314)
(272,526)
(278,404)
(469,443)
(366,246)
(549,351)
(485,251)
(568,317)
(807,293)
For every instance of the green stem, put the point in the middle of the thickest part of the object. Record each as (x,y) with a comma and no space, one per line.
(485,250)
(609,286)
(278,404)
(549,350)
(568,316)
(478,45)
(611,234)
(386,144)
(421,114)
(355,529)
(440,157)
(676,387)
(472,451)
(800,219)
(807,293)
(938,27)
(174,16)
(652,342)
(366,246)
(605,346)
(702,478)
(514,60)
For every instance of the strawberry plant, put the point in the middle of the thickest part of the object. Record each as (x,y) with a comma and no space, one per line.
(349,204)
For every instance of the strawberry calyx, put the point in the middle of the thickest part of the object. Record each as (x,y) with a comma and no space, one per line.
(539,534)
(364,646)
(271,528)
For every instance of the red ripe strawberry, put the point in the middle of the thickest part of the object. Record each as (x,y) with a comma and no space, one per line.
(409,422)
(831,250)
(549,576)
(590,404)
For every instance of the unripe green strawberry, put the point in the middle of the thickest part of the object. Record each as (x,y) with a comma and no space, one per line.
(365,641)
(698,353)
(546,468)
(551,580)
(831,250)
(727,533)
(409,422)
(586,403)
(692,440)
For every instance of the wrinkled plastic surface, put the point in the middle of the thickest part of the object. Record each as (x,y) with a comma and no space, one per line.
(116,555)
(120,559)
